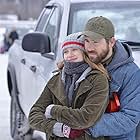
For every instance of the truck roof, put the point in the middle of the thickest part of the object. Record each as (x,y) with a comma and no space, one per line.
(67,2)
(82,1)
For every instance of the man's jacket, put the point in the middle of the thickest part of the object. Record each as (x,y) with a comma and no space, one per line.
(125,81)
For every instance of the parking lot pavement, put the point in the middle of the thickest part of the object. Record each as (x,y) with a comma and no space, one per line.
(4,100)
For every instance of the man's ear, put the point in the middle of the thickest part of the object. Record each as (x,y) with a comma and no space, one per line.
(112,41)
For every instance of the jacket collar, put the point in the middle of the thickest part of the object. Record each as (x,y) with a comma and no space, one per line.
(56,86)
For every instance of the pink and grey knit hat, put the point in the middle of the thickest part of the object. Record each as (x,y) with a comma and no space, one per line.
(74,40)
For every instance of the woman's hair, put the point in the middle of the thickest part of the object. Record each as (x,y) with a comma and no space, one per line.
(98,66)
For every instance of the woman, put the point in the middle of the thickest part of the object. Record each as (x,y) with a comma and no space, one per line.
(75,98)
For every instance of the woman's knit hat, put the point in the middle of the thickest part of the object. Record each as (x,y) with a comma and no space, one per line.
(74,40)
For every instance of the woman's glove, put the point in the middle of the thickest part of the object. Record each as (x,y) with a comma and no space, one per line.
(72,133)
(48,111)
(57,129)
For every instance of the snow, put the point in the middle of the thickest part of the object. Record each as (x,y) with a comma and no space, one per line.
(4,100)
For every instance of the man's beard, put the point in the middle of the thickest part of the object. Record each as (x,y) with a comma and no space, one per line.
(99,57)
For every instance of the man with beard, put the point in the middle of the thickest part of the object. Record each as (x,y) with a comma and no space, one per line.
(101,46)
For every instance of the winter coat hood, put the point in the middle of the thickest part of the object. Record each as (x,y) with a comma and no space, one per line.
(123,55)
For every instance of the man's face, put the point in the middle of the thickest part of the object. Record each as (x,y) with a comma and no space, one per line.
(97,51)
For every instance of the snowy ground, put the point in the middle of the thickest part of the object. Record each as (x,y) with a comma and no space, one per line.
(4,100)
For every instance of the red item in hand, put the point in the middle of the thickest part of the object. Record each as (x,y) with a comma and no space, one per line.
(74,133)
(114,104)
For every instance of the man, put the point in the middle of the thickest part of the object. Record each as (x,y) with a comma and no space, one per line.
(10,38)
(101,46)
(13,35)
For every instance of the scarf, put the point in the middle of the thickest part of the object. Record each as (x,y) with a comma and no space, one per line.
(72,70)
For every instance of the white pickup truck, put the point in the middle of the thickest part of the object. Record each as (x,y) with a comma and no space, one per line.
(29,68)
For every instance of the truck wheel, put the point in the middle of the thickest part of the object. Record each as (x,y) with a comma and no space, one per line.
(19,129)
(17,119)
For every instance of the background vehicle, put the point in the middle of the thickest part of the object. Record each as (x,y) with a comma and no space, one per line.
(22,26)
(28,71)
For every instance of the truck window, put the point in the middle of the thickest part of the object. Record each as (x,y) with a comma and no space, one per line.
(43,19)
(52,28)
(122,17)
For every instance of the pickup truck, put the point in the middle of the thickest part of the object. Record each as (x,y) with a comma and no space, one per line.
(29,68)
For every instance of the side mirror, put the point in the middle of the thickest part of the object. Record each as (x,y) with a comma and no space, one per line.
(36,42)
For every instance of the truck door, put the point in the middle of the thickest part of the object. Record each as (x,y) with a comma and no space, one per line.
(37,69)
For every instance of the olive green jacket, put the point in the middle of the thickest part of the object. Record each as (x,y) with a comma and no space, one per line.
(89,104)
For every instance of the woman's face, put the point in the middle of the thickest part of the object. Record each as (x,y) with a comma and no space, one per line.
(73,55)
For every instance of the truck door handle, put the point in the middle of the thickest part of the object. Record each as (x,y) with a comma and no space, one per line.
(23,61)
(33,68)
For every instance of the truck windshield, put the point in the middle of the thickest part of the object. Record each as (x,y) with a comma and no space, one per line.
(124,15)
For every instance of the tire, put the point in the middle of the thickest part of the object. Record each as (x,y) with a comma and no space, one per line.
(17,119)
